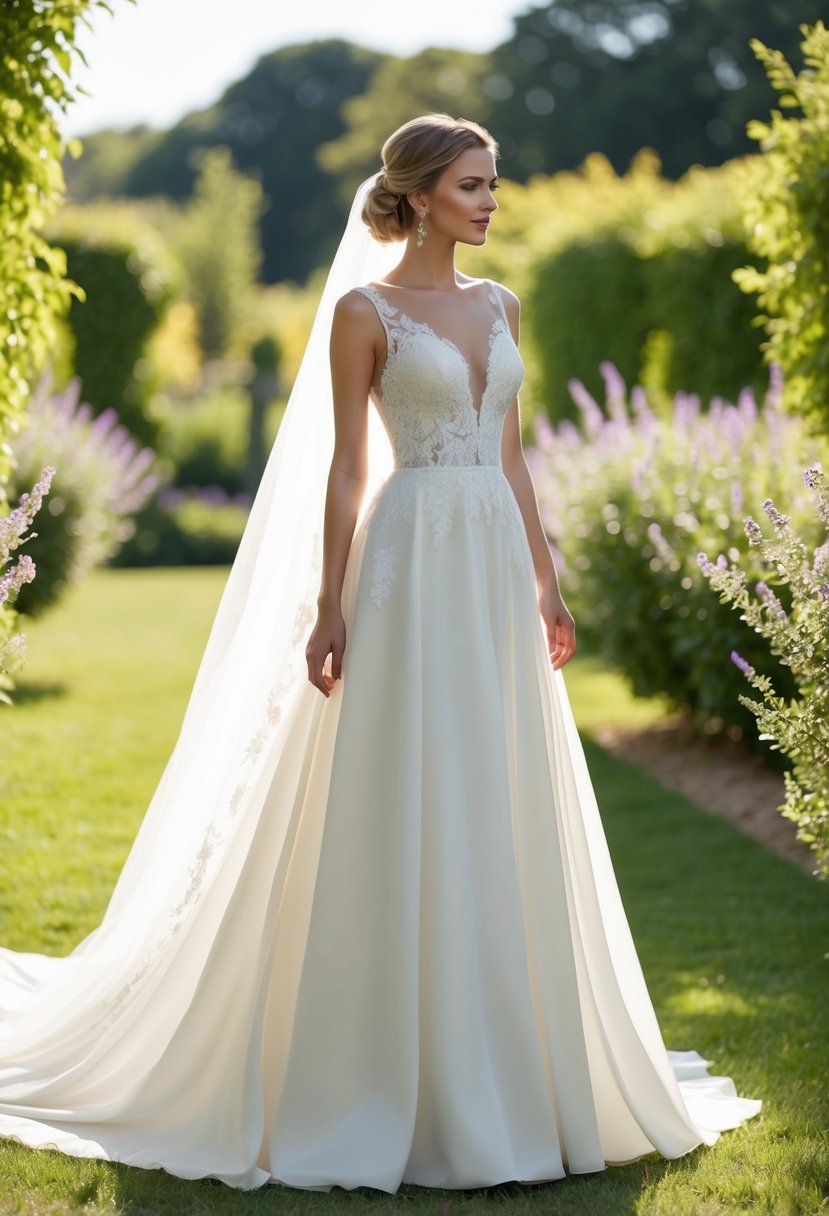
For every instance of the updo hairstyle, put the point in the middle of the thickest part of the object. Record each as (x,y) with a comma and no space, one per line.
(414,157)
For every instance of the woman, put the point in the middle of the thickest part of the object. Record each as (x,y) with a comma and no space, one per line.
(373,936)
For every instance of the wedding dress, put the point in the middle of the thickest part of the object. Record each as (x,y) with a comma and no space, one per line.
(399,954)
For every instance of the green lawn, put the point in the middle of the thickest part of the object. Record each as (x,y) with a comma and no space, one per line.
(732,939)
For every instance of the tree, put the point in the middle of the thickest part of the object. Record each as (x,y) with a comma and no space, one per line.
(787,215)
(218,243)
(613,76)
(272,121)
(433,80)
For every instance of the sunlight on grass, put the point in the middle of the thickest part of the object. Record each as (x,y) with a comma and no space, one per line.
(700,1000)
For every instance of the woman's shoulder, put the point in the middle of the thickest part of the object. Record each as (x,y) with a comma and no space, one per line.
(505,292)
(357,303)
(509,299)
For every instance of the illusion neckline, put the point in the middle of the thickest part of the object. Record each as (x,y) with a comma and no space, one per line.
(498,322)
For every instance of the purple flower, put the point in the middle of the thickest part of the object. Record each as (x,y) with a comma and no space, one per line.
(776,517)
(544,433)
(615,390)
(812,475)
(747,406)
(591,414)
(824,590)
(705,564)
(752,530)
(768,597)
(775,389)
(16,523)
(22,572)
(740,663)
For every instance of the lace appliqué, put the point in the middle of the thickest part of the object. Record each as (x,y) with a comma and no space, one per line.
(384,574)
(479,493)
(424,397)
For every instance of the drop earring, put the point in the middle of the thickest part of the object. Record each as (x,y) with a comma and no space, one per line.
(421,229)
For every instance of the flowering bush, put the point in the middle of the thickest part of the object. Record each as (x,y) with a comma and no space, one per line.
(629,499)
(102,479)
(14,532)
(798,634)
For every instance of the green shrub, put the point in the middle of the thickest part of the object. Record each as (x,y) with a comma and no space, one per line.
(787,218)
(204,440)
(101,479)
(35,89)
(798,635)
(607,298)
(196,527)
(129,278)
(630,498)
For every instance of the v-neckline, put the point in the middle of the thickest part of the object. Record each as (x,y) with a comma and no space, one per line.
(490,339)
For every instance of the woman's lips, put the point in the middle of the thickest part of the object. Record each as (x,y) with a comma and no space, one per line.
(481,223)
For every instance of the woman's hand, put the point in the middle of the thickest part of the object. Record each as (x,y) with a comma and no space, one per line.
(560,626)
(327,638)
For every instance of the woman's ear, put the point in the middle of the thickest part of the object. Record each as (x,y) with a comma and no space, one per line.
(417,201)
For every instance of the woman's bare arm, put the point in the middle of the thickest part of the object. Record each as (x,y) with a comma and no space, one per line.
(559,624)
(355,334)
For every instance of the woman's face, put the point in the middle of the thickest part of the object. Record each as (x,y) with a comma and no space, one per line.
(460,204)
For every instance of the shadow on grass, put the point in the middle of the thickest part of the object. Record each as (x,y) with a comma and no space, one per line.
(35,691)
(617,1190)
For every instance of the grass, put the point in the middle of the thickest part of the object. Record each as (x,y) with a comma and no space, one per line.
(732,939)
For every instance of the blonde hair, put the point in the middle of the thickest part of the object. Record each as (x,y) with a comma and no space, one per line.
(414,157)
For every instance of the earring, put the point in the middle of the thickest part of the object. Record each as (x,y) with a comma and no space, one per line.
(421,229)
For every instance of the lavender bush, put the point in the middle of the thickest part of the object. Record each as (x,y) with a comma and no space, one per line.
(14,573)
(630,496)
(102,480)
(798,634)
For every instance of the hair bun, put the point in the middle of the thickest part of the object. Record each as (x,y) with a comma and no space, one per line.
(385,212)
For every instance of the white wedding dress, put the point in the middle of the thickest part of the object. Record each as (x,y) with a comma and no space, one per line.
(412,964)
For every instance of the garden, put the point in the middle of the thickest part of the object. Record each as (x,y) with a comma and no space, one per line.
(675,418)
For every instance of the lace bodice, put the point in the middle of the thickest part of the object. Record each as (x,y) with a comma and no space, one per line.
(425,394)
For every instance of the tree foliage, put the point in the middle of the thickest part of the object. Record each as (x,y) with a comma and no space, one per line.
(38,42)
(576,77)
(38,45)
(579,76)
(436,79)
(788,222)
(273,120)
(218,243)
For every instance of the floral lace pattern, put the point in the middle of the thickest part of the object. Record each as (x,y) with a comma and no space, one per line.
(425,393)
(480,493)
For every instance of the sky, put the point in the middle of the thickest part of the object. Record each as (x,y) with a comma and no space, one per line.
(153,61)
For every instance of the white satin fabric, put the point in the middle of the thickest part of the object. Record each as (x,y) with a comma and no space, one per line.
(412,963)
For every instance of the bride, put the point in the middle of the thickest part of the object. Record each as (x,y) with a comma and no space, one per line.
(372,936)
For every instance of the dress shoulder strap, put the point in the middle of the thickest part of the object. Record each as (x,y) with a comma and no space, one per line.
(385,311)
(496,298)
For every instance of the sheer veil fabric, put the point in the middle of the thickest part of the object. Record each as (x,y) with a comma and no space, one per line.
(162,1040)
